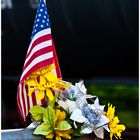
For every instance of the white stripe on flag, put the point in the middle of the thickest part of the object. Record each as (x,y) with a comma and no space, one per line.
(21,100)
(37,60)
(37,101)
(39,34)
(30,101)
(54,71)
(38,47)
(25,98)
(19,103)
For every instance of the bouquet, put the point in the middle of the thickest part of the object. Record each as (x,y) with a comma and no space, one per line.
(70,112)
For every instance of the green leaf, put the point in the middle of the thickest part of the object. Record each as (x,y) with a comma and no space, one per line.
(43,129)
(63,125)
(37,112)
(49,116)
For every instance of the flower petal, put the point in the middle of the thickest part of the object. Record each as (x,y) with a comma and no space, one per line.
(60,115)
(50,67)
(116,120)
(106,127)
(40,95)
(68,105)
(81,87)
(31,82)
(99,133)
(64,134)
(58,137)
(43,71)
(77,116)
(49,94)
(61,84)
(102,121)
(50,136)
(31,90)
(86,129)
(42,80)
(50,76)
(110,112)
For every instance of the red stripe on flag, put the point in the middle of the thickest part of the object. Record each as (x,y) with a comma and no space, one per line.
(23,99)
(19,105)
(26,88)
(38,53)
(34,98)
(43,101)
(38,41)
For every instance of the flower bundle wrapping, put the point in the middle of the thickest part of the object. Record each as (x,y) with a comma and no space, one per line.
(70,112)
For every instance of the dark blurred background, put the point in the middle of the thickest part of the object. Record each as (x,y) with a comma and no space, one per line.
(96,40)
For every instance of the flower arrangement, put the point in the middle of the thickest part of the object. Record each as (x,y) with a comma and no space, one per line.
(70,112)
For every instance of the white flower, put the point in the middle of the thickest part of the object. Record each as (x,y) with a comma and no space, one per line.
(68,105)
(80,85)
(77,90)
(92,118)
(90,115)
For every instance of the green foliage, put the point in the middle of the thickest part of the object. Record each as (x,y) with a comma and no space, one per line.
(63,125)
(37,112)
(42,129)
(49,116)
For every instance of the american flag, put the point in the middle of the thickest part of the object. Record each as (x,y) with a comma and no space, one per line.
(41,52)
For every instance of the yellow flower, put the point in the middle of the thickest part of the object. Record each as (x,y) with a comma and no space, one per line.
(115,128)
(45,82)
(61,128)
(42,71)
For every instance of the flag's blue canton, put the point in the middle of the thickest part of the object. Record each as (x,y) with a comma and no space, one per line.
(41,20)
